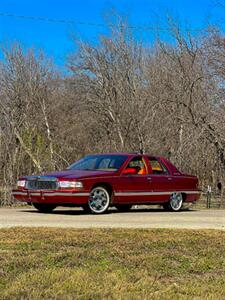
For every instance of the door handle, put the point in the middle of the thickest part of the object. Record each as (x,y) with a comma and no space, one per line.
(149,178)
(169,178)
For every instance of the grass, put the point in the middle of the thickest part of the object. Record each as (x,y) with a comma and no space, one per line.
(160,264)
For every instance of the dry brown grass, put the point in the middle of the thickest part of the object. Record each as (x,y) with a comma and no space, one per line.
(111,264)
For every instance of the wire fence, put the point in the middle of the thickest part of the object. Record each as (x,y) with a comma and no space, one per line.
(211,200)
(5,196)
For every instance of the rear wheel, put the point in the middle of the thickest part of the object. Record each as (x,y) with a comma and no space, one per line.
(123,208)
(99,200)
(44,208)
(175,203)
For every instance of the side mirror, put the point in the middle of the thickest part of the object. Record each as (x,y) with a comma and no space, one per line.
(129,171)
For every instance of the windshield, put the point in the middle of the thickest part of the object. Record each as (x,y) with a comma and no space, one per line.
(99,162)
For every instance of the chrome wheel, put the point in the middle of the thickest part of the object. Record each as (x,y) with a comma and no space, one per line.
(99,200)
(176,201)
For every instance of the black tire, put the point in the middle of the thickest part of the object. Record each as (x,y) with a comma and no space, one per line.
(175,203)
(123,208)
(99,200)
(44,208)
(86,209)
(166,206)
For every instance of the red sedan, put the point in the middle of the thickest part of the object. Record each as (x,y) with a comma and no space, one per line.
(99,181)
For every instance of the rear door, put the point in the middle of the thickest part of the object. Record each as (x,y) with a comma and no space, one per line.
(160,181)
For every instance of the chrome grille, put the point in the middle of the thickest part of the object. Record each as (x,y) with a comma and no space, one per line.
(41,184)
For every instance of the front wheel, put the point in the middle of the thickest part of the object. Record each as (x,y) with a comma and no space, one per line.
(44,208)
(175,203)
(99,200)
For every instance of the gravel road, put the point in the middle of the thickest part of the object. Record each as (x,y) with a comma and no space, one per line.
(139,218)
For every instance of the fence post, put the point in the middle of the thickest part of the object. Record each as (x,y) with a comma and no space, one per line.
(209,196)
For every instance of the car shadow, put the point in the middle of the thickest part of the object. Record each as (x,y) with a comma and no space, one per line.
(71,211)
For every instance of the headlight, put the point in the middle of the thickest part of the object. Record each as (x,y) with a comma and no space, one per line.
(21,183)
(70,184)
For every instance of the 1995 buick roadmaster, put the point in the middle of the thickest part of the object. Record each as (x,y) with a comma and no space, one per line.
(99,181)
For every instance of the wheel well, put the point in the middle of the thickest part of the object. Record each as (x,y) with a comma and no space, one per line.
(106,185)
(184,195)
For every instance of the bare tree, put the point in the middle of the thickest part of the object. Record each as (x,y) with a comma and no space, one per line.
(112,78)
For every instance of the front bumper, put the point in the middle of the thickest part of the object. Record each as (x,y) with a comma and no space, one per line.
(51,197)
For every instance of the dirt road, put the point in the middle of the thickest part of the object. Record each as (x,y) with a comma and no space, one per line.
(139,218)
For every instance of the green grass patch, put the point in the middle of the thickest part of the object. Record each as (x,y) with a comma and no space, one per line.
(45,263)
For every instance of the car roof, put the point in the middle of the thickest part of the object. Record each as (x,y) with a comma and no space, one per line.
(124,153)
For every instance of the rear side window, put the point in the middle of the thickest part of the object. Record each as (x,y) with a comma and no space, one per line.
(157,166)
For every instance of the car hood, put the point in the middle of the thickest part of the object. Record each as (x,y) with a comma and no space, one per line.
(78,174)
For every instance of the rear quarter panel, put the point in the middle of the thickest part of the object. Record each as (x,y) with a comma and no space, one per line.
(189,185)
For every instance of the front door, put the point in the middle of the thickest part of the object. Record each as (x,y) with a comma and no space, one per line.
(135,188)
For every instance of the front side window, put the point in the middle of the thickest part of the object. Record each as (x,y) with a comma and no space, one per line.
(138,164)
(99,162)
